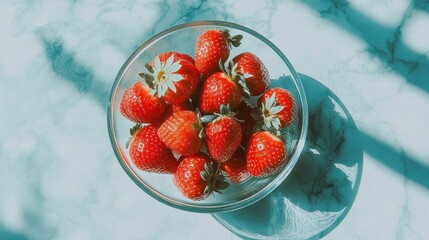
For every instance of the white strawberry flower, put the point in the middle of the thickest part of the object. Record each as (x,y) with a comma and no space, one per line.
(269,113)
(165,75)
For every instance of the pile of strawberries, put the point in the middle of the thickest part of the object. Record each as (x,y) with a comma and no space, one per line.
(194,118)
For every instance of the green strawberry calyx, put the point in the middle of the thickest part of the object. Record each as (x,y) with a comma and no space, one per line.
(133,132)
(232,40)
(162,76)
(215,181)
(224,111)
(240,78)
(235,76)
(198,126)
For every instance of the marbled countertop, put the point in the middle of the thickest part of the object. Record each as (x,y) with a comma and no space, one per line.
(364,65)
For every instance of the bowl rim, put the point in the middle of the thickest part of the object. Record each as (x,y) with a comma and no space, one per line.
(303,124)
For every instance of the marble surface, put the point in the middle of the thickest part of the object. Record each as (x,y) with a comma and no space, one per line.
(365,172)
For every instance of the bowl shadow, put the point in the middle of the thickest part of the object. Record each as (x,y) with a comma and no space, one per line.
(321,189)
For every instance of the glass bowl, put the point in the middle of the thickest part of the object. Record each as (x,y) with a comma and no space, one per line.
(182,38)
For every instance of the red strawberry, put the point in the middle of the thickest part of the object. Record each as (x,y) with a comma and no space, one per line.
(139,105)
(163,57)
(223,135)
(278,108)
(213,46)
(172,108)
(181,132)
(247,122)
(266,154)
(174,79)
(219,89)
(235,168)
(148,153)
(253,71)
(198,176)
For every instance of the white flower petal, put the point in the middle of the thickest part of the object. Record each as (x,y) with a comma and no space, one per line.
(275,123)
(171,86)
(175,77)
(266,125)
(174,67)
(169,61)
(276,109)
(247,75)
(152,92)
(162,89)
(269,103)
(158,91)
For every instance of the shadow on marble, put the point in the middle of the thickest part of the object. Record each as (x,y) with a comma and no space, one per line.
(397,160)
(321,189)
(384,43)
(421,5)
(65,65)
(6,234)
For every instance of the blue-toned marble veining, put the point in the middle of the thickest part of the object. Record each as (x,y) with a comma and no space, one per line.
(59,178)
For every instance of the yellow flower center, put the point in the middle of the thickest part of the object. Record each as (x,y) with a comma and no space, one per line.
(161,76)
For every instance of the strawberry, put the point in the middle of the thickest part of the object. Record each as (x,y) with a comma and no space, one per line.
(173,79)
(170,109)
(213,46)
(223,134)
(163,57)
(265,154)
(140,106)
(249,67)
(219,89)
(181,132)
(278,108)
(235,169)
(198,176)
(148,152)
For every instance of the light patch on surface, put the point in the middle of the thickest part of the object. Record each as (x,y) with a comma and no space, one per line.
(415,32)
(385,12)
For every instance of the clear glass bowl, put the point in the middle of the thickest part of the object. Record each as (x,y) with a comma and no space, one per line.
(182,38)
